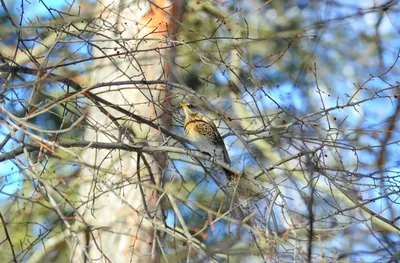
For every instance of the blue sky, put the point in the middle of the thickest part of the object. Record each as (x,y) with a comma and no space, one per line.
(372,115)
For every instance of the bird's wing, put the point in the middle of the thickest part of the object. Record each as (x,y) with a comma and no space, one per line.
(221,142)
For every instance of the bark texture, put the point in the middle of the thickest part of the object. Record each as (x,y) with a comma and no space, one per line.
(118,196)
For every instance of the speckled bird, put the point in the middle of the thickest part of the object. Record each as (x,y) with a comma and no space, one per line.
(204,135)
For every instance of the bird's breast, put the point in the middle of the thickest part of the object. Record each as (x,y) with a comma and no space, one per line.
(203,138)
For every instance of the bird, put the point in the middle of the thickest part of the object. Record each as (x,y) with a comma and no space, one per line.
(204,135)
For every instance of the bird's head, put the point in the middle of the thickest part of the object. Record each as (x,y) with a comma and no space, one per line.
(192,112)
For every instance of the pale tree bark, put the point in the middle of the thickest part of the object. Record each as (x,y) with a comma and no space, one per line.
(119,195)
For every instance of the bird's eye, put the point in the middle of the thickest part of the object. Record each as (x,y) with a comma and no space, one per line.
(190,106)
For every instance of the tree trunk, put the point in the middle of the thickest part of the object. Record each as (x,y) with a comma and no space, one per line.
(118,194)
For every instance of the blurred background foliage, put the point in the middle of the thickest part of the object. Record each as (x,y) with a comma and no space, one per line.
(273,69)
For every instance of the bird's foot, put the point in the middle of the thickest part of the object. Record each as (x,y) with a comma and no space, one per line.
(188,151)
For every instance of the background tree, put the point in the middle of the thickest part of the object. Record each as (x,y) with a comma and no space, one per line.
(95,167)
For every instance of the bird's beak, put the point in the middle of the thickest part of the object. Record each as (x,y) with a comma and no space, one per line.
(185,108)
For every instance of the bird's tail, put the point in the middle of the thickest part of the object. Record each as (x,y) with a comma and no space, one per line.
(228,173)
